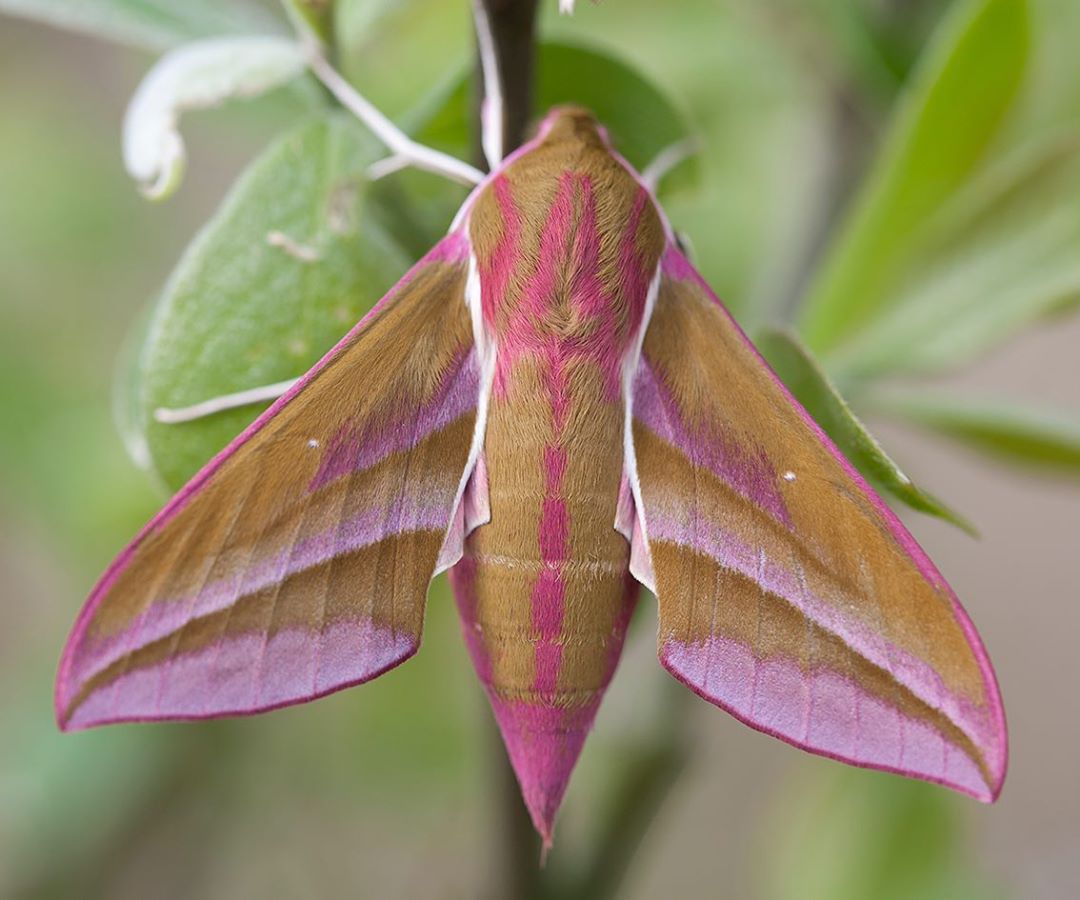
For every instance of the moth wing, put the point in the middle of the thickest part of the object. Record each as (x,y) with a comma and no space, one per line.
(789,594)
(297,561)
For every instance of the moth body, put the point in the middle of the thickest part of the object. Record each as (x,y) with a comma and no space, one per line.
(566,244)
(553,405)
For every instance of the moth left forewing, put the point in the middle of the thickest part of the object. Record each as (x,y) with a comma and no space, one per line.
(297,561)
(788,593)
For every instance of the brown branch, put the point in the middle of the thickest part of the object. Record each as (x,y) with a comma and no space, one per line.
(513,28)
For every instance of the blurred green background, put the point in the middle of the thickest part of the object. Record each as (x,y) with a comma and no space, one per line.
(899,179)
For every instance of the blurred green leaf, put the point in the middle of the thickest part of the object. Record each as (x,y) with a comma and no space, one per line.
(858,835)
(297,253)
(1000,255)
(969,76)
(395,52)
(1011,433)
(640,118)
(812,388)
(152,24)
(63,783)
(316,16)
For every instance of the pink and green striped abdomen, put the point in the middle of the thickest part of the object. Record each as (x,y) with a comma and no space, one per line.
(544,589)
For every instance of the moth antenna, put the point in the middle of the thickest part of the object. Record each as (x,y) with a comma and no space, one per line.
(492,111)
(222,403)
(399,143)
(667,159)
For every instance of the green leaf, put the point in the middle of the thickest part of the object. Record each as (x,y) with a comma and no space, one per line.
(812,388)
(152,24)
(295,256)
(1012,433)
(640,118)
(999,256)
(959,96)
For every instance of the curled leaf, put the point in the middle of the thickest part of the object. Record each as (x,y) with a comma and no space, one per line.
(806,379)
(196,76)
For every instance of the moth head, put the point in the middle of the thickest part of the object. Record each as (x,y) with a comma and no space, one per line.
(573,124)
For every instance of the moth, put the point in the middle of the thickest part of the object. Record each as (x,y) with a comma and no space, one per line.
(553,407)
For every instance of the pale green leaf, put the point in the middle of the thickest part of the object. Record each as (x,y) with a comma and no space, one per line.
(813,389)
(948,117)
(152,24)
(298,252)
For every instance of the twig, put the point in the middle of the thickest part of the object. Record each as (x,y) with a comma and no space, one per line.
(650,770)
(492,108)
(399,143)
(513,34)
(519,874)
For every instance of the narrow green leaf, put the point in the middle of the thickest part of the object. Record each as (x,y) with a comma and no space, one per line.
(813,389)
(296,255)
(151,24)
(1012,433)
(1000,256)
(959,96)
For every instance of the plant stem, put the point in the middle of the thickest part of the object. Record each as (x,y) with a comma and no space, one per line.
(513,29)
(518,873)
(649,769)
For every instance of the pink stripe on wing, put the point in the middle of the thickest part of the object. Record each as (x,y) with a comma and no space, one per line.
(423,512)
(845,723)
(454,248)
(355,447)
(216,680)
(831,614)
(675,265)
(747,472)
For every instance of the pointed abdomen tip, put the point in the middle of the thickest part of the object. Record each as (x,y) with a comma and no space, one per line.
(543,742)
